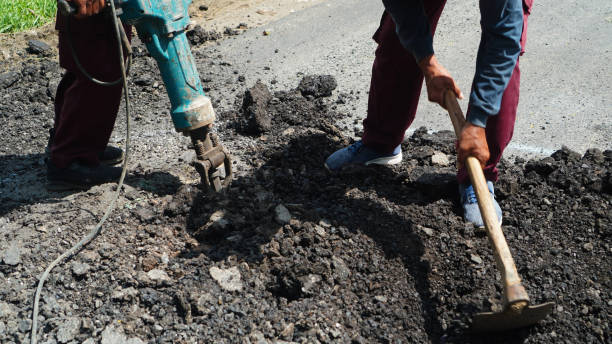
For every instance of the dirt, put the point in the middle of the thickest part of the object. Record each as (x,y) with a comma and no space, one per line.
(214,15)
(290,252)
(219,14)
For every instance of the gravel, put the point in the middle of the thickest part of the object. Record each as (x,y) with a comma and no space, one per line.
(368,255)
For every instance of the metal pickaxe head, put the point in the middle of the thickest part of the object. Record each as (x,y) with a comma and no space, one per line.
(510,318)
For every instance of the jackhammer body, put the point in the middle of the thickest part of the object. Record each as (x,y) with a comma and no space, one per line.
(161,25)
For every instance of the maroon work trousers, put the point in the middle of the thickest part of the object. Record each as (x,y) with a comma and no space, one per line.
(396,86)
(85,112)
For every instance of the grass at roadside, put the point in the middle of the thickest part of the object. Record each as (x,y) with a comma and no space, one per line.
(17,15)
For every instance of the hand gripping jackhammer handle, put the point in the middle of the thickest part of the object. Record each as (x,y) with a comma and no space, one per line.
(67,8)
(515,295)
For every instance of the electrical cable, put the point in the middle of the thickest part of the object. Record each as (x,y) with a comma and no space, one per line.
(98,228)
(82,69)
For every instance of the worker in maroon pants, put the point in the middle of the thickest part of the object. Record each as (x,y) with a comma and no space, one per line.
(85,112)
(405,57)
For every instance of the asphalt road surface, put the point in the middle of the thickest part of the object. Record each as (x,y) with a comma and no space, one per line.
(566,71)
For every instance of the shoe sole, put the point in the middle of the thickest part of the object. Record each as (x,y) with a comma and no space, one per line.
(388,160)
(113,162)
(501,221)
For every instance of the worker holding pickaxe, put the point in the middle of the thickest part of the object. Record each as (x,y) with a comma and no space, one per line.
(405,56)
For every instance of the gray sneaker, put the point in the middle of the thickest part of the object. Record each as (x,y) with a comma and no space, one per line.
(471,212)
(359,154)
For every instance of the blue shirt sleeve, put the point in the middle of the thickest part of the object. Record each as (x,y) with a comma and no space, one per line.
(411,26)
(502,25)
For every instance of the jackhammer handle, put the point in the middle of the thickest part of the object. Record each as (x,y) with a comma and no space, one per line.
(513,289)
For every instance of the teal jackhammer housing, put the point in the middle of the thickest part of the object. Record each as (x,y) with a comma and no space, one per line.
(161,26)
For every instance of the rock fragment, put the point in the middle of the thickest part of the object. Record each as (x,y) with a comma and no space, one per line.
(325,223)
(143,80)
(145,214)
(202,303)
(476,259)
(440,159)
(198,35)
(309,283)
(287,332)
(158,276)
(90,256)
(218,220)
(80,269)
(24,325)
(228,279)
(165,259)
(320,231)
(380,298)
(317,86)
(254,107)
(7,311)
(257,338)
(565,154)
(124,294)
(37,47)
(426,230)
(230,31)
(9,78)
(113,335)
(12,255)
(68,330)
(282,214)
(342,272)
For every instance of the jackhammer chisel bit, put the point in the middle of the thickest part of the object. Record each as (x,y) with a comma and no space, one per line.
(210,155)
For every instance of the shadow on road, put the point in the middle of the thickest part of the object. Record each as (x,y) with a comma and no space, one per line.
(23,179)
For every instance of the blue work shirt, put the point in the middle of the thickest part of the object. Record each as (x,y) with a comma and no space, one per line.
(502,25)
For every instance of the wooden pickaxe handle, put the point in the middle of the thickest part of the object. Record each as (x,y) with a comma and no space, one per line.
(514,293)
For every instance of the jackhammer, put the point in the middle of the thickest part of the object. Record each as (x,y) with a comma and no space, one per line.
(161,25)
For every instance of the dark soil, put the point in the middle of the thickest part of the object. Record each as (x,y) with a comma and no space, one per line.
(290,252)
(199,35)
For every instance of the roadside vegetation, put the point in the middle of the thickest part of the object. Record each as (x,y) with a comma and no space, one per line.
(18,15)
